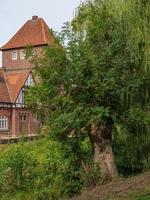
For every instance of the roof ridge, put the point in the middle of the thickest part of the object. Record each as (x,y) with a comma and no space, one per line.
(32,33)
(43,31)
(15,34)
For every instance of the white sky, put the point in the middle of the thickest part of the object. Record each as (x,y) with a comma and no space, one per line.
(14,13)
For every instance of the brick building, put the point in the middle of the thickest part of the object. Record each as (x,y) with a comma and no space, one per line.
(16,75)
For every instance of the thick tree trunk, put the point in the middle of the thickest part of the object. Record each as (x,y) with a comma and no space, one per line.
(100,137)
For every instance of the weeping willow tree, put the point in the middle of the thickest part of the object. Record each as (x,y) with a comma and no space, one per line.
(101,78)
(137,95)
(119,32)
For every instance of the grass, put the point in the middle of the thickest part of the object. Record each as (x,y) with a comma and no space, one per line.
(134,188)
(20,196)
(136,195)
(131,196)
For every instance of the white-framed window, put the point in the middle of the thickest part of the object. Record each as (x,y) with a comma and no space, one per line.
(3,123)
(14,55)
(22,54)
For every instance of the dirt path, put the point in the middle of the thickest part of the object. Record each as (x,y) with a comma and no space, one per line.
(119,189)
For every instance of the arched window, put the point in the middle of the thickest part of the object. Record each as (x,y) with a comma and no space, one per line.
(3,123)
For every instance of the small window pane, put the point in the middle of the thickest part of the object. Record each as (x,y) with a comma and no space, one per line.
(22,54)
(14,55)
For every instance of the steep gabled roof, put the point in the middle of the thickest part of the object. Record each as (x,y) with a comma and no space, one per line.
(34,32)
(16,82)
(11,84)
(4,93)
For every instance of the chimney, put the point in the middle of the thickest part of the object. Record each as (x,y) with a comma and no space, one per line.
(35,17)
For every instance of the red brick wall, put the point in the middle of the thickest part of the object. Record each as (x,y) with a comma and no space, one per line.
(19,63)
(15,124)
(29,126)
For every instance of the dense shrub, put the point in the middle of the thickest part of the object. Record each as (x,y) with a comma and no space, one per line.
(16,170)
(45,168)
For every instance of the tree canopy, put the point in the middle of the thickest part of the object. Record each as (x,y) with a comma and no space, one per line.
(100,79)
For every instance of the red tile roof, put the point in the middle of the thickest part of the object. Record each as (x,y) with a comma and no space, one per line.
(4,94)
(34,32)
(11,84)
(15,82)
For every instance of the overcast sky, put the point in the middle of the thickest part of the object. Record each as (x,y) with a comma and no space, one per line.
(14,13)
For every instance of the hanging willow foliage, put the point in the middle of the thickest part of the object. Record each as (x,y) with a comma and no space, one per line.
(128,22)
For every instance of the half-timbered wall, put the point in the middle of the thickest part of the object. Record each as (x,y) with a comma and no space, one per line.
(21,98)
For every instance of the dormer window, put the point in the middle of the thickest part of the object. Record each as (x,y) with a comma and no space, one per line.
(14,55)
(22,54)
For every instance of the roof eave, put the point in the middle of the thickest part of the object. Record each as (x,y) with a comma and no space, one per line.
(21,47)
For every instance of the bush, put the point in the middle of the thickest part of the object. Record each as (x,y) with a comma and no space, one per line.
(16,170)
(44,168)
(59,174)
